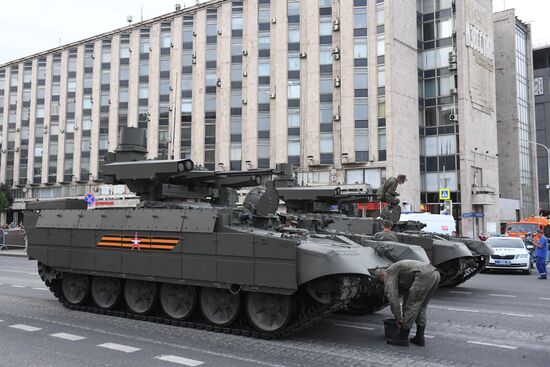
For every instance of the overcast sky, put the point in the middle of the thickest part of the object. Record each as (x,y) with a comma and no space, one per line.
(31,26)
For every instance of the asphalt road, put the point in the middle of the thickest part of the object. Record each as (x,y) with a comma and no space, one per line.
(491,320)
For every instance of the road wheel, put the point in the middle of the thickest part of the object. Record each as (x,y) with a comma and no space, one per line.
(75,288)
(268,312)
(219,306)
(140,296)
(527,271)
(106,291)
(178,301)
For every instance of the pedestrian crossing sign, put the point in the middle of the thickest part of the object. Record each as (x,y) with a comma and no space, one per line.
(444,194)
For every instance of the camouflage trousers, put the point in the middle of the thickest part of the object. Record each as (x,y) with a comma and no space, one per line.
(416,300)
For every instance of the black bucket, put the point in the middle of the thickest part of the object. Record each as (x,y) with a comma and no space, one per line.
(390,328)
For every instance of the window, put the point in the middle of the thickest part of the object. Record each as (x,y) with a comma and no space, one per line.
(293,118)
(263,68)
(429,88)
(264,41)
(71,85)
(325,56)
(325,113)
(143,91)
(361,140)
(293,62)
(165,63)
(361,109)
(293,35)
(143,67)
(325,143)
(381,76)
(382,139)
(105,76)
(123,72)
(325,86)
(263,94)
(165,39)
(380,46)
(87,102)
(237,21)
(293,146)
(445,85)
(293,89)
(380,14)
(381,108)
(325,26)
(106,55)
(360,49)
(86,123)
(264,122)
(360,79)
(444,28)
(359,18)
(123,95)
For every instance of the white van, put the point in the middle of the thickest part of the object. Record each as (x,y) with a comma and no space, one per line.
(435,223)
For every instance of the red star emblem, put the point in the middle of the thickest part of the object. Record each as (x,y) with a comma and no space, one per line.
(135,242)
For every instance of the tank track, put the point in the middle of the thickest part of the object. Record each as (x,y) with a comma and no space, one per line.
(465,269)
(307,316)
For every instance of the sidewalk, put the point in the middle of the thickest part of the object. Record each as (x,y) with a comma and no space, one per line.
(16,252)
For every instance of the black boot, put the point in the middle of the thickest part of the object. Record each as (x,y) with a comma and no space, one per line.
(419,338)
(400,339)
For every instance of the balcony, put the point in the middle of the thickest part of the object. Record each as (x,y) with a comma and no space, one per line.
(483,195)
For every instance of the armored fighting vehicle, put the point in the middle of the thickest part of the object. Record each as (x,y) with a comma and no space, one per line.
(457,259)
(187,255)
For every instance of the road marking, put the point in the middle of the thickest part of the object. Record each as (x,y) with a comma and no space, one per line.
(460,292)
(493,345)
(502,295)
(41,289)
(544,298)
(429,336)
(1,320)
(517,315)
(66,336)
(17,286)
(119,347)
(354,326)
(179,360)
(25,327)
(17,271)
(462,310)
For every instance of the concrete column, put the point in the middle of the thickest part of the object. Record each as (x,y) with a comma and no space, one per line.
(96,99)
(250,83)
(199,84)
(223,95)
(62,116)
(279,79)
(78,113)
(175,83)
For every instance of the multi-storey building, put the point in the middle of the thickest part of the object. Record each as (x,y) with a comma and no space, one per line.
(515,117)
(541,66)
(352,91)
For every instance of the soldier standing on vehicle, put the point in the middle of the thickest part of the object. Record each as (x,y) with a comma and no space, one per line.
(388,194)
(541,253)
(386,234)
(416,282)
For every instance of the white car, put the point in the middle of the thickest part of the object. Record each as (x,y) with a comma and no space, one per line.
(510,254)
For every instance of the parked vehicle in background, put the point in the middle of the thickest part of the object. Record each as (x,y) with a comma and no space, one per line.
(511,253)
(435,223)
(526,225)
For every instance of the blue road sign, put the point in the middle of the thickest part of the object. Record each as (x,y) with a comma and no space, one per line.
(90,199)
(473,215)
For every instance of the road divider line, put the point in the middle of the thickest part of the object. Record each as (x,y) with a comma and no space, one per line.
(502,295)
(462,310)
(66,336)
(119,347)
(517,315)
(25,327)
(17,286)
(179,360)
(492,345)
(354,326)
(429,336)
(41,289)
(544,298)
(460,292)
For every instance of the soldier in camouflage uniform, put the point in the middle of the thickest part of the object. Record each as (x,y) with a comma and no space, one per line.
(416,282)
(387,234)
(387,193)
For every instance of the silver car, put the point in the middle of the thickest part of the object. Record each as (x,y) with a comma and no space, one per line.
(511,253)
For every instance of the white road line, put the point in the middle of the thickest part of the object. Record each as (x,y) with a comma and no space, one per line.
(25,327)
(502,295)
(429,336)
(17,286)
(517,315)
(41,289)
(179,360)
(544,298)
(119,347)
(462,310)
(66,336)
(354,326)
(493,345)
(460,292)
(1,320)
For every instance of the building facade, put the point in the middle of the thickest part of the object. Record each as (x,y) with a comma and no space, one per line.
(515,115)
(541,66)
(352,91)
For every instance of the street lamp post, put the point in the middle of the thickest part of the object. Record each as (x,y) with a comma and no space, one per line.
(548,168)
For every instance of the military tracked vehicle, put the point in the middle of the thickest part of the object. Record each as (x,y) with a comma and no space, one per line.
(187,255)
(457,259)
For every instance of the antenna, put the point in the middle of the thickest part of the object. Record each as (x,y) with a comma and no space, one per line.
(142,13)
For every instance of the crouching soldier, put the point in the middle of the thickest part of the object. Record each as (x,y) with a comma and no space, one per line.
(416,282)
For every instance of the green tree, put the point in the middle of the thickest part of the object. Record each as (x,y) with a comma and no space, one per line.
(5,197)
